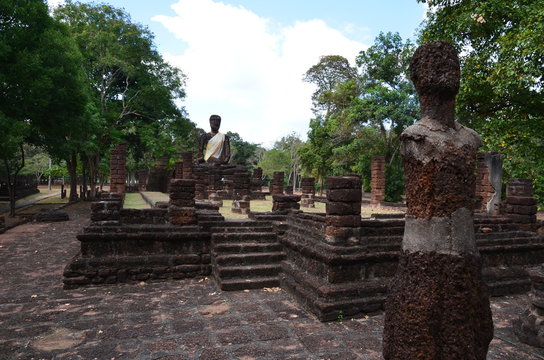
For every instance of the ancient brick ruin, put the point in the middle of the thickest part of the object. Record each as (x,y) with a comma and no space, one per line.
(308,192)
(118,170)
(276,184)
(529,327)
(377,184)
(489,182)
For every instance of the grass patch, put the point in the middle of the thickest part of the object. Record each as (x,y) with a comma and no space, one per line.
(53,200)
(134,201)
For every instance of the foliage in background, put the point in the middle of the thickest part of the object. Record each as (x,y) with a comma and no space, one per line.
(501,95)
(362,114)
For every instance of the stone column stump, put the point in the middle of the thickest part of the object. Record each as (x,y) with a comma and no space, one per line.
(118,168)
(529,327)
(187,165)
(377,182)
(343,219)
(489,182)
(520,203)
(181,207)
(276,184)
(308,192)
(285,203)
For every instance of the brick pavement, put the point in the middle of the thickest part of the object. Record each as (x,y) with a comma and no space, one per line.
(188,319)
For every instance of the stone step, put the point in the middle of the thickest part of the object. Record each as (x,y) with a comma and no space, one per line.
(249,258)
(239,237)
(255,229)
(510,241)
(382,231)
(503,235)
(244,284)
(246,247)
(268,217)
(247,272)
(243,223)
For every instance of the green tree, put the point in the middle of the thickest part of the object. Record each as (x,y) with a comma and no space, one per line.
(274,160)
(500,46)
(134,91)
(242,152)
(330,71)
(40,82)
(291,144)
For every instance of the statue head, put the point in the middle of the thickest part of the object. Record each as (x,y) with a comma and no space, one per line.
(215,123)
(435,70)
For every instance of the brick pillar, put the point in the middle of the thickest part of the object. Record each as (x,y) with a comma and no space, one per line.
(276,184)
(529,327)
(118,168)
(241,201)
(187,167)
(257,179)
(377,182)
(178,172)
(181,207)
(437,304)
(308,192)
(520,203)
(489,182)
(343,219)
(284,203)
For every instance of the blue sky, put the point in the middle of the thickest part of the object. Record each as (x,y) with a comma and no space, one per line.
(244,59)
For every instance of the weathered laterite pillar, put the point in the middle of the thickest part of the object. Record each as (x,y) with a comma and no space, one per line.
(377,180)
(178,172)
(276,184)
(142,179)
(529,327)
(118,168)
(489,182)
(437,305)
(308,192)
(257,179)
(187,167)
(181,207)
(285,203)
(520,203)
(343,217)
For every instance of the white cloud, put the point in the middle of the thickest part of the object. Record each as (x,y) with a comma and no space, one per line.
(55,3)
(251,75)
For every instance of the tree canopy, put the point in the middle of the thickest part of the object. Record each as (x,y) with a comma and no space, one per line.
(501,95)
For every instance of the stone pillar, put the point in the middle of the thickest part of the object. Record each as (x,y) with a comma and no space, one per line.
(284,203)
(181,207)
(343,219)
(520,203)
(118,168)
(107,211)
(178,172)
(257,179)
(215,199)
(308,192)
(489,182)
(276,184)
(529,327)
(187,168)
(241,206)
(377,182)
(437,305)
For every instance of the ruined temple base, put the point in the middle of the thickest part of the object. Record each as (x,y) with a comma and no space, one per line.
(529,327)
(118,254)
(435,294)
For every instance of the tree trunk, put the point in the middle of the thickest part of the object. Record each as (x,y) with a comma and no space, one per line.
(72,171)
(11,192)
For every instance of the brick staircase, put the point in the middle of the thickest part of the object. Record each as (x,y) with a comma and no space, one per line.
(246,254)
